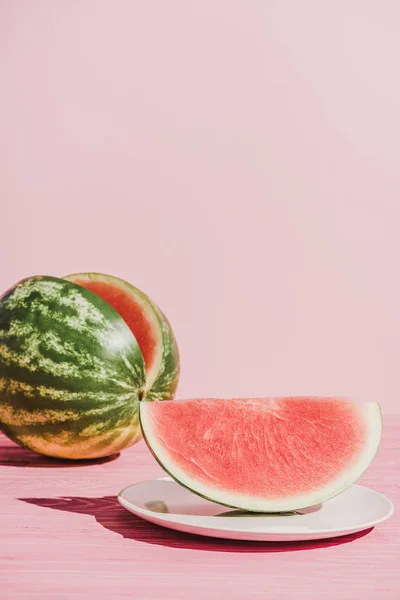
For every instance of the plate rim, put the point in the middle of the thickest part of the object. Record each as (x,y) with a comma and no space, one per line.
(144,512)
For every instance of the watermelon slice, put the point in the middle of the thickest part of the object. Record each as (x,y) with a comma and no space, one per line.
(148,324)
(263,454)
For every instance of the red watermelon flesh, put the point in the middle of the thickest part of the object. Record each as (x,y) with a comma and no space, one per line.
(263,454)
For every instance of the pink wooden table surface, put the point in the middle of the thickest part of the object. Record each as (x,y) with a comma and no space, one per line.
(64,535)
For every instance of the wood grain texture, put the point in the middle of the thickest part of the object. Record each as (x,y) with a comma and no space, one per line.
(64,535)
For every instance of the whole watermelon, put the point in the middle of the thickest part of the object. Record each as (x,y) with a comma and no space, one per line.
(71,369)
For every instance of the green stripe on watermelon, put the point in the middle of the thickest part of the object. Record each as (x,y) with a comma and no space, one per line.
(65,350)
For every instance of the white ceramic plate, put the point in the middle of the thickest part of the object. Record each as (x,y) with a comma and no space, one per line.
(164,502)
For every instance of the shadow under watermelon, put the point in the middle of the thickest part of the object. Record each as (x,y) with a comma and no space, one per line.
(110,515)
(12,455)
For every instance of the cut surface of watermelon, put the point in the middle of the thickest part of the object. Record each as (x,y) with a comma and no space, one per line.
(263,454)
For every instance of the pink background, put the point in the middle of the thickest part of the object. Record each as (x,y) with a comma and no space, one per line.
(239,161)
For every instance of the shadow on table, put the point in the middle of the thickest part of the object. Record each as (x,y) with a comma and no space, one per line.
(110,515)
(12,455)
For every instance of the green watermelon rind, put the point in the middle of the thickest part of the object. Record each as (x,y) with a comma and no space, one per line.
(374,423)
(59,371)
